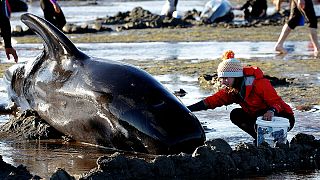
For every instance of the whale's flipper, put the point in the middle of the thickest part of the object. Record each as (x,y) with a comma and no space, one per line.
(56,42)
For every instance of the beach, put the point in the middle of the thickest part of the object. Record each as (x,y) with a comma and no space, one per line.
(176,69)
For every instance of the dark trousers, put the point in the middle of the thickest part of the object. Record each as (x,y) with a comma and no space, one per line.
(247,122)
(57,19)
(308,12)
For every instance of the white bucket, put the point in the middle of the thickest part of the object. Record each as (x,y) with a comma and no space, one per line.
(272,131)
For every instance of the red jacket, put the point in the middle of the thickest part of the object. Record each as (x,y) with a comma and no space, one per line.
(259,95)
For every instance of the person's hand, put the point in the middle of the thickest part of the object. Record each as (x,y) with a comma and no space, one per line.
(301,4)
(13,52)
(268,115)
(56,8)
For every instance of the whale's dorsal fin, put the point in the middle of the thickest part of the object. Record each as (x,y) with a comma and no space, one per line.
(56,42)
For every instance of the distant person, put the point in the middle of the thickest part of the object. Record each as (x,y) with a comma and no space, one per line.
(216,11)
(254,9)
(247,87)
(301,11)
(5,27)
(169,8)
(53,13)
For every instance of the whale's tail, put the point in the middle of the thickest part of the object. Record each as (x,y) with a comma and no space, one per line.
(56,43)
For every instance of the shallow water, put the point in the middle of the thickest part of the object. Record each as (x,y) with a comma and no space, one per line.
(176,50)
(42,158)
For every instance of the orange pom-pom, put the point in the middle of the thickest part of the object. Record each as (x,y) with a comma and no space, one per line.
(228,55)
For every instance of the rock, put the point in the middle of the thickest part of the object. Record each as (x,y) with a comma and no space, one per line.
(61,174)
(163,166)
(180,93)
(304,107)
(85,26)
(279,81)
(29,126)
(116,162)
(18,29)
(140,169)
(304,139)
(97,26)
(8,171)
(219,145)
(211,82)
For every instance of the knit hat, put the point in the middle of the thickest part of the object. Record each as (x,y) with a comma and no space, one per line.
(230,67)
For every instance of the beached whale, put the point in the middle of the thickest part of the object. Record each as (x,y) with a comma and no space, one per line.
(100,101)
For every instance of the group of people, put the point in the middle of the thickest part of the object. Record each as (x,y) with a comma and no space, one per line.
(301,11)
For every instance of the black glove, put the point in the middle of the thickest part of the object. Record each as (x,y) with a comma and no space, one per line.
(198,106)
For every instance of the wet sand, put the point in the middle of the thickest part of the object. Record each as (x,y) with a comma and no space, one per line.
(194,34)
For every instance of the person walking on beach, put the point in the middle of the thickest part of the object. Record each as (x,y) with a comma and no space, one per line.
(247,87)
(300,11)
(5,27)
(53,13)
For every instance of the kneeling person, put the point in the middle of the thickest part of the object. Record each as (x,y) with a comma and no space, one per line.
(247,87)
